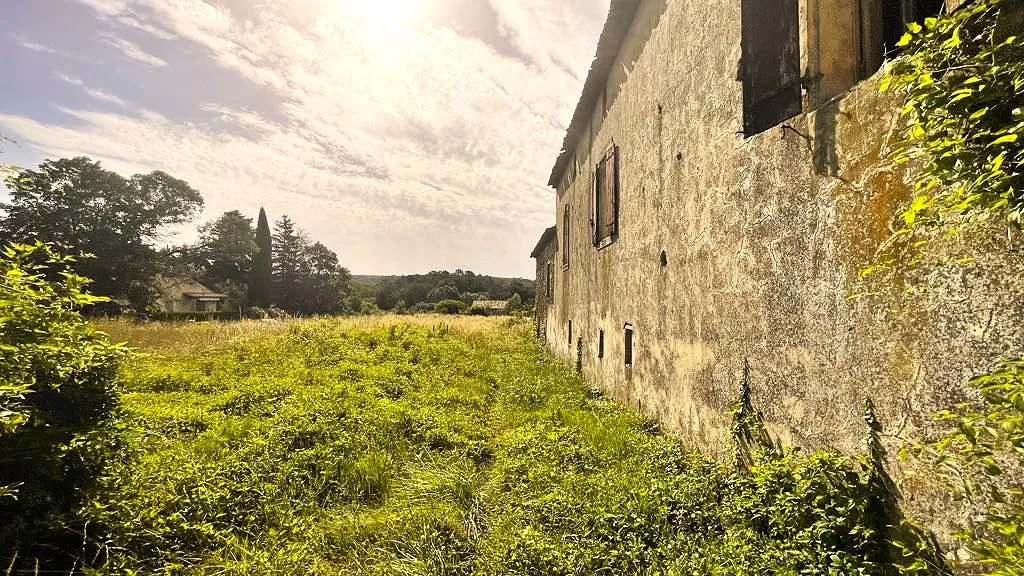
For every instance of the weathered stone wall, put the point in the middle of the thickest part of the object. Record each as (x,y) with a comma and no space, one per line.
(764,239)
(545,256)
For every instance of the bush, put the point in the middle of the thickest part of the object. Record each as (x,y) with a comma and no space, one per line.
(450,307)
(422,308)
(255,313)
(188,316)
(57,374)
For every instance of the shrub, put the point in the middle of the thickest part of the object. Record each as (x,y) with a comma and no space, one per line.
(255,313)
(450,307)
(56,373)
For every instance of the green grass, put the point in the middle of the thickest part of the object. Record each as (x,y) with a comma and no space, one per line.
(432,446)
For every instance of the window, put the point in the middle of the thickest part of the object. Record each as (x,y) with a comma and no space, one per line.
(549,280)
(565,239)
(848,40)
(770,63)
(600,344)
(605,200)
(570,332)
(883,23)
(628,345)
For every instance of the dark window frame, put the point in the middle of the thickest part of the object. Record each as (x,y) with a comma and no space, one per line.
(600,344)
(600,221)
(770,67)
(627,352)
(566,225)
(549,279)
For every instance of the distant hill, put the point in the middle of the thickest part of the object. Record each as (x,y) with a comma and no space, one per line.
(369,280)
(418,292)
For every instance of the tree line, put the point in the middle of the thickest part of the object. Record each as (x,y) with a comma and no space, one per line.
(114,225)
(422,292)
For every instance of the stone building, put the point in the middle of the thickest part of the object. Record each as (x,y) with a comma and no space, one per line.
(722,183)
(182,295)
(544,254)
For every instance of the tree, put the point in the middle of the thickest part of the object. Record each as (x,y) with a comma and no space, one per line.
(226,249)
(261,277)
(326,281)
(85,209)
(289,264)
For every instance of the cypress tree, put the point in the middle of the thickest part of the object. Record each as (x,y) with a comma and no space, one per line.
(263,267)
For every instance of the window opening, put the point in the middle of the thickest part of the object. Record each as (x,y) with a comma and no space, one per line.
(770,63)
(629,345)
(570,332)
(600,344)
(549,279)
(605,199)
(565,238)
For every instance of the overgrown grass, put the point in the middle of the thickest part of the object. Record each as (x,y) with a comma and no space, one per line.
(434,446)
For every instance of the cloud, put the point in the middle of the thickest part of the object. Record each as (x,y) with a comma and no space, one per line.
(35,46)
(96,93)
(403,144)
(133,51)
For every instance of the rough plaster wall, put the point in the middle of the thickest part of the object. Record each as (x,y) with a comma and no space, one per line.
(764,239)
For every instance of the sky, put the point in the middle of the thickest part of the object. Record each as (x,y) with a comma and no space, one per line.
(406,135)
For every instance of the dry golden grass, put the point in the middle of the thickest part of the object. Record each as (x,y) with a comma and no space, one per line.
(181,338)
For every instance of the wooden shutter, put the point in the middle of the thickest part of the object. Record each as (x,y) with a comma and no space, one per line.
(595,194)
(771,63)
(610,200)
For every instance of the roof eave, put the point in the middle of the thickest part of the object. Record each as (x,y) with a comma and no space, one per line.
(616,29)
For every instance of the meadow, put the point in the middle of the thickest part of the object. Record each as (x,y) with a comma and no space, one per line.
(435,445)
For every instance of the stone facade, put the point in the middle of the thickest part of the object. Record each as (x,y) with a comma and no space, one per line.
(730,247)
(544,254)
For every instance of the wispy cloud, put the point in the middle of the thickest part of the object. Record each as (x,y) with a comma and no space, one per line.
(400,142)
(96,93)
(133,51)
(35,46)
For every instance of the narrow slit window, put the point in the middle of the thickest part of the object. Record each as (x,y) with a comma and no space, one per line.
(565,238)
(549,280)
(570,332)
(600,344)
(628,345)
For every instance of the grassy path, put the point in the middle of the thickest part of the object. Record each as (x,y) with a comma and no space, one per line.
(422,447)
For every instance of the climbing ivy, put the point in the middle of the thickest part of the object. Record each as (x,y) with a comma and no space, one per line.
(963,79)
(980,461)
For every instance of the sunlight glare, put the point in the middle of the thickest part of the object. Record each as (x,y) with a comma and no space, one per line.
(387,10)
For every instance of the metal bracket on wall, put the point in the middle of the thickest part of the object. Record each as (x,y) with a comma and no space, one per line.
(786,127)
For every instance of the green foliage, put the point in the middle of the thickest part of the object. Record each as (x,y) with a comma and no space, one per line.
(308,279)
(225,251)
(56,383)
(362,447)
(450,307)
(261,277)
(963,78)
(981,460)
(49,351)
(85,209)
(436,286)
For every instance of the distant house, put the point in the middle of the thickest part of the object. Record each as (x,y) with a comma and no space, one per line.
(489,307)
(184,295)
